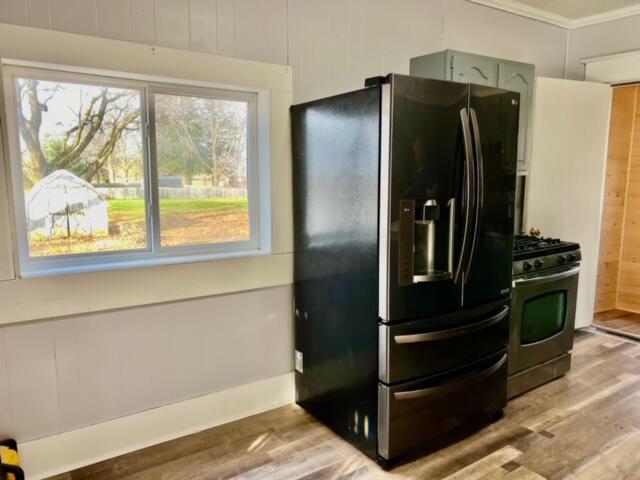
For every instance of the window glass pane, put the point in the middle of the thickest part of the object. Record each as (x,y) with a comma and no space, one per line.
(82,165)
(201,150)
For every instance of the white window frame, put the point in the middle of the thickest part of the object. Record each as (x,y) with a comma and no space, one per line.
(258,173)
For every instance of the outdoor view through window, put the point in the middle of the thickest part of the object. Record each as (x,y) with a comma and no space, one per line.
(87,183)
(201,148)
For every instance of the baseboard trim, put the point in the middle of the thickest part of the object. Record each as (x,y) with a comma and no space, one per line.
(67,451)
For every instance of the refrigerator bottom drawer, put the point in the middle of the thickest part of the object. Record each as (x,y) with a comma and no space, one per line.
(418,348)
(415,413)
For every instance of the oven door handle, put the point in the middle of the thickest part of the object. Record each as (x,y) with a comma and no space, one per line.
(453,332)
(546,278)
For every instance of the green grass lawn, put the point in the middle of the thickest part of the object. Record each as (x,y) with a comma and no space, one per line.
(129,208)
(182,222)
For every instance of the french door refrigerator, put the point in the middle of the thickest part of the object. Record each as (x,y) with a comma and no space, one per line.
(403,213)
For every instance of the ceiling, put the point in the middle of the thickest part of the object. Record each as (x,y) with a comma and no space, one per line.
(568,13)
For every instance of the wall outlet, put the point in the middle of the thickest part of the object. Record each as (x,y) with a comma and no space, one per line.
(298,362)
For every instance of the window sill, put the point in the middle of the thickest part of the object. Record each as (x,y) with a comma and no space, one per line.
(44,297)
(156,261)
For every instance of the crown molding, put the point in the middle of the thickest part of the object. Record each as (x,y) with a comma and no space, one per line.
(524,10)
(606,16)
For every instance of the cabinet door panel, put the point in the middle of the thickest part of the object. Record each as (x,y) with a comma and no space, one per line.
(473,69)
(519,79)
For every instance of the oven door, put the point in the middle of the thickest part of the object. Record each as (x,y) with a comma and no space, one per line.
(543,310)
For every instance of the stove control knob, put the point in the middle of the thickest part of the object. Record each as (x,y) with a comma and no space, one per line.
(526,266)
(571,257)
(561,259)
(538,263)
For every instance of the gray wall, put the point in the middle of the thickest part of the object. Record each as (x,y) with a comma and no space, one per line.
(616,36)
(332,45)
(60,374)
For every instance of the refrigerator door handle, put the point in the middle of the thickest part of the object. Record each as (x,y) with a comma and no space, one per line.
(468,195)
(479,190)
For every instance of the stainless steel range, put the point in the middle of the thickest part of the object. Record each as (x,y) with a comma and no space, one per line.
(543,309)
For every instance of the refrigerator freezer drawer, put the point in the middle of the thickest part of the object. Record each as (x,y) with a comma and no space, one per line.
(414,413)
(423,347)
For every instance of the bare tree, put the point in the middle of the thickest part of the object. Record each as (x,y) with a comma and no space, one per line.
(211,133)
(103,119)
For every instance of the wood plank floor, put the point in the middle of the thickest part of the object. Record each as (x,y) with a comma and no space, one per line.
(585,425)
(626,323)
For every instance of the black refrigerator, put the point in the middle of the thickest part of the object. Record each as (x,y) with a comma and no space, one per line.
(403,218)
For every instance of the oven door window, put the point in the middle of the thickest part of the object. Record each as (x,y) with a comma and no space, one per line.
(543,316)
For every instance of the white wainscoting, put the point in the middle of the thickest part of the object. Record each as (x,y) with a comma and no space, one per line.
(67,451)
(68,373)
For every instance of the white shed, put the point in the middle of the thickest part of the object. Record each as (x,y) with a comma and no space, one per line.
(62,204)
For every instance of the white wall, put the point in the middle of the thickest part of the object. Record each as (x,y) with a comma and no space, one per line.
(62,374)
(332,46)
(335,44)
(84,348)
(602,39)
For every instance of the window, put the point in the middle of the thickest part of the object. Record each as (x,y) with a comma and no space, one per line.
(109,171)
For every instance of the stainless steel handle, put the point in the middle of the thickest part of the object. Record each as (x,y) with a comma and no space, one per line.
(447,387)
(452,231)
(479,187)
(464,120)
(452,332)
(546,278)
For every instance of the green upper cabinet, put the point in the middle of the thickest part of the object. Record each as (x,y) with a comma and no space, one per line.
(519,78)
(494,72)
(472,69)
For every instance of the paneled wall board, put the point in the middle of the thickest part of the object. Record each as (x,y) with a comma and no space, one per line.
(261,19)
(6,422)
(477,29)
(75,16)
(629,280)
(172,23)
(621,127)
(13,12)
(332,45)
(225,27)
(39,13)
(143,22)
(619,263)
(67,373)
(250,29)
(335,45)
(114,19)
(31,375)
(203,26)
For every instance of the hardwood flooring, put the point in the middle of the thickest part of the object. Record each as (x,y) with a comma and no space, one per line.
(618,321)
(585,425)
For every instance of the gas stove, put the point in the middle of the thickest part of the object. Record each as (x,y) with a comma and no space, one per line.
(533,254)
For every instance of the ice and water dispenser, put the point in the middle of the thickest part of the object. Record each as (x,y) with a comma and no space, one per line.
(426,240)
